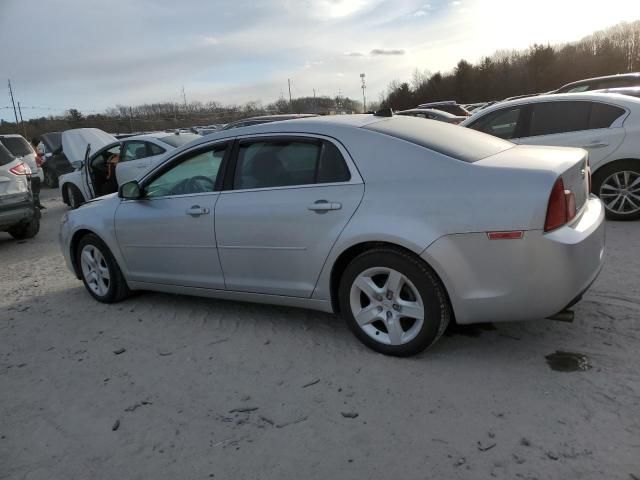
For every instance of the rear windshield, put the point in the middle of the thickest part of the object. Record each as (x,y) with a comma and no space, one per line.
(5,156)
(179,140)
(451,140)
(16,145)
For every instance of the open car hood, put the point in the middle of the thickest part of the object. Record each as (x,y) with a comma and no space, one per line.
(74,142)
(52,141)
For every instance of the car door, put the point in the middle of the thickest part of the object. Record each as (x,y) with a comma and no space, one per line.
(288,200)
(134,161)
(167,236)
(594,126)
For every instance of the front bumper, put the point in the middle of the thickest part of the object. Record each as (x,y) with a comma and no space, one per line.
(527,279)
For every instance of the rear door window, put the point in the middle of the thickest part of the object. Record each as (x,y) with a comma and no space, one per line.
(549,118)
(603,115)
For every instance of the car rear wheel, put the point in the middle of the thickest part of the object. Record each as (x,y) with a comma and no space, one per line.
(393,302)
(618,186)
(100,272)
(74,196)
(26,230)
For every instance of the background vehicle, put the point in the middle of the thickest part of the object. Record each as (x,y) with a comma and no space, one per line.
(55,162)
(136,155)
(18,213)
(432,114)
(20,148)
(449,106)
(607,125)
(245,122)
(279,213)
(631,91)
(599,83)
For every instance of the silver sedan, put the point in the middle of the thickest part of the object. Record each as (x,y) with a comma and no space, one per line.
(401,225)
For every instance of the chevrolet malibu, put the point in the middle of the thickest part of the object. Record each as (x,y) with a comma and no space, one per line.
(399,225)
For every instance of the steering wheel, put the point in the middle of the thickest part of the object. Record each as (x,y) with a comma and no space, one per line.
(197,184)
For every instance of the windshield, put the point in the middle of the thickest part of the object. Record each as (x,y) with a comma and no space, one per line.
(16,145)
(179,140)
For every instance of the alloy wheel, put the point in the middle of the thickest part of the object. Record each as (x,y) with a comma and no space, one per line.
(95,270)
(387,306)
(620,192)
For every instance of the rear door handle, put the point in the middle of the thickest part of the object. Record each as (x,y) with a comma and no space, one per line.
(595,145)
(321,206)
(197,210)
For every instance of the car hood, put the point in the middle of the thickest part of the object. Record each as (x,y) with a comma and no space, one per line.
(52,141)
(74,142)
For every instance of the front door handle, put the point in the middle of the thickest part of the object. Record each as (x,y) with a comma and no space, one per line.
(322,206)
(197,210)
(595,144)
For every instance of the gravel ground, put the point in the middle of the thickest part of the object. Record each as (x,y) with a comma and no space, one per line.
(218,389)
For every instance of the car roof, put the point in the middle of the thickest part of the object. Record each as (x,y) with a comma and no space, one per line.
(428,110)
(442,102)
(614,98)
(604,77)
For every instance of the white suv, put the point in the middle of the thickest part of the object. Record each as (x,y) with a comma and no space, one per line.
(605,124)
(18,212)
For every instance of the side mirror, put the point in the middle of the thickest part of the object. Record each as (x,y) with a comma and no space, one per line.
(77,165)
(130,191)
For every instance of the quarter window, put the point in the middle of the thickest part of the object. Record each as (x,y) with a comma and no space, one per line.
(155,149)
(196,172)
(288,162)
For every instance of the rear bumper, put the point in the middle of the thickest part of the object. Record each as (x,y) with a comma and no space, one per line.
(15,209)
(527,279)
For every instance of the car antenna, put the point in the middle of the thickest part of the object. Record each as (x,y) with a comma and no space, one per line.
(384,112)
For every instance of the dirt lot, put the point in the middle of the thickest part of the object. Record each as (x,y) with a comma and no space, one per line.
(220,389)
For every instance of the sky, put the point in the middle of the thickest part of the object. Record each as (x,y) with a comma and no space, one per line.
(91,55)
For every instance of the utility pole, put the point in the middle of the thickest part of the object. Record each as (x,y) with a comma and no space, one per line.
(315,107)
(24,128)
(364,98)
(184,99)
(15,112)
(290,101)
(131,119)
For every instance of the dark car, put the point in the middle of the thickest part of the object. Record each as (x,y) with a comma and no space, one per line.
(55,163)
(19,214)
(245,122)
(599,83)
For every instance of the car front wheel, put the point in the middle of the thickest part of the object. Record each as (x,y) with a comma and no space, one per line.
(393,302)
(100,272)
(74,196)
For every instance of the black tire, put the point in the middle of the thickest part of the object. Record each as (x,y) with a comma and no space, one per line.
(50,178)
(434,297)
(26,230)
(74,196)
(118,289)
(605,172)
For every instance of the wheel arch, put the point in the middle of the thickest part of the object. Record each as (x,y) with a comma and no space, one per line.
(609,163)
(65,195)
(73,247)
(343,260)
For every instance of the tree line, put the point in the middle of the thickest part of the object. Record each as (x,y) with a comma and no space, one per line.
(537,69)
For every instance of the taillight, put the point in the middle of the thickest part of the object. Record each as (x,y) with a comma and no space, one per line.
(557,207)
(20,169)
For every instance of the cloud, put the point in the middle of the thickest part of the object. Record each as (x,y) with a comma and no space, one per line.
(382,51)
(354,54)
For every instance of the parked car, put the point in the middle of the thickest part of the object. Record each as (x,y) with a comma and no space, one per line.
(245,122)
(432,114)
(632,91)
(55,162)
(599,83)
(113,162)
(450,106)
(19,214)
(20,148)
(607,125)
(452,222)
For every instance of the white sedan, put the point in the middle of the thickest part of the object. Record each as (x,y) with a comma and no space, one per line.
(607,125)
(113,162)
